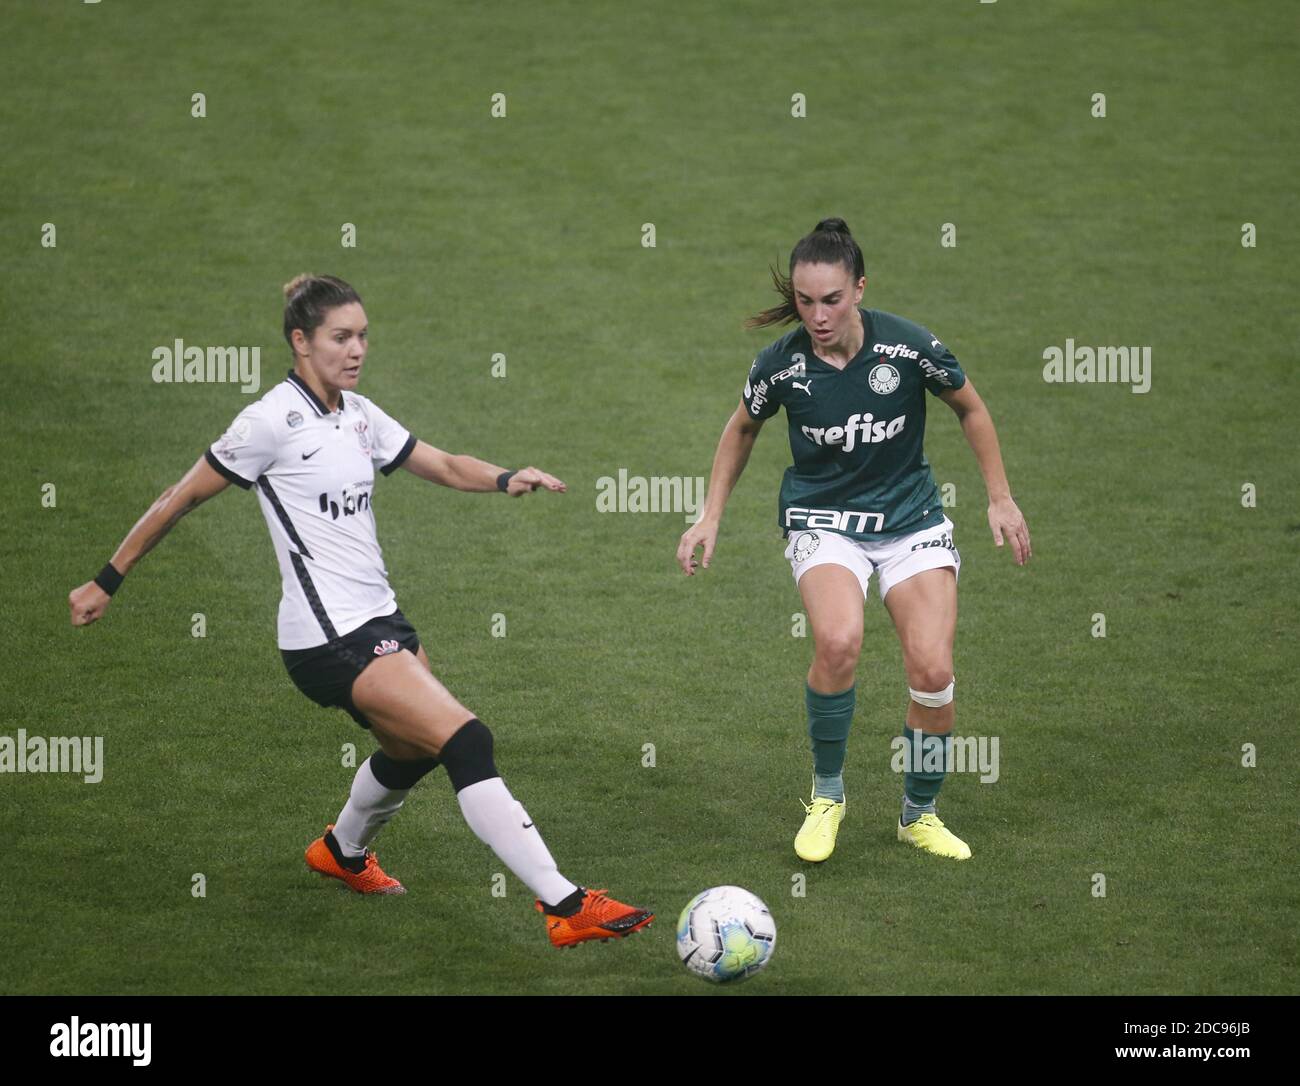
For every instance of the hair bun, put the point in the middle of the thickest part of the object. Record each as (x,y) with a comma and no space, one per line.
(833,226)
(296,282)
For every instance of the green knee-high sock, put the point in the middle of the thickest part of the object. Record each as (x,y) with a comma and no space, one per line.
(923,779)
(829,718)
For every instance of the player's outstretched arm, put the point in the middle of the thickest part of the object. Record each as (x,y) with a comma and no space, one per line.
(734,447)
(1005,518)
(474,475)
(201,482)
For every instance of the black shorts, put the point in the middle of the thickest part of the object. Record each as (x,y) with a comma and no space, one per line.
(326,673)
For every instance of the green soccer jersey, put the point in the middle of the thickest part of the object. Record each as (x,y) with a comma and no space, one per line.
(856,434)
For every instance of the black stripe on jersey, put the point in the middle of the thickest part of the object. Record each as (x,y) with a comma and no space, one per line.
(283,516)
(221,469)
(400,459)
(299,566)
(309,590)
(304,390)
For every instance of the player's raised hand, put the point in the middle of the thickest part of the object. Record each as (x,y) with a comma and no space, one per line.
(703,533)
(1006,520)
(526,480)
(87,603)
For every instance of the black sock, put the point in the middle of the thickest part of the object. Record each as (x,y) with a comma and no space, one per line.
(355,864)
(568,906)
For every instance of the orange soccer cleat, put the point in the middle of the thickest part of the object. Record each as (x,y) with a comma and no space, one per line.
(370,879)
(598,917)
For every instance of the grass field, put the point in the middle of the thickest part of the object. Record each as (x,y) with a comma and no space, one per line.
(522,235)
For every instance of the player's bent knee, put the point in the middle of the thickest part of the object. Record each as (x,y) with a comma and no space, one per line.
(468,755)
(838,650)
(396,773)
(929,669)
(933,699)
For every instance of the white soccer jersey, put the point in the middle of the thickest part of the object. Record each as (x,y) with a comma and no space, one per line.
(314,470)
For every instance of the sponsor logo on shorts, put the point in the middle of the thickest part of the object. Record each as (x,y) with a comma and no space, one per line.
(944,540)
(386,647)
(895,350)
(883,379)
(858,430)
(838,520)
(805,545)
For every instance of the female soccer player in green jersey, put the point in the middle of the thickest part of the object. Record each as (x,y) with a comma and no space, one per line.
(860,498)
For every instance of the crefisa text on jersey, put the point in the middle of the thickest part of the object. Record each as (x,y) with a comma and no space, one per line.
(896,350)
(858,430)
(208,365)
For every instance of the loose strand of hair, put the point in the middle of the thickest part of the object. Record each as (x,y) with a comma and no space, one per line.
(784,313)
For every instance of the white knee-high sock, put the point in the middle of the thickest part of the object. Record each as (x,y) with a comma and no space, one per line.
(501,823)
(367,810)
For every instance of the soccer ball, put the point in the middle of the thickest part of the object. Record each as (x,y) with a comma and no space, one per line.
(725,933)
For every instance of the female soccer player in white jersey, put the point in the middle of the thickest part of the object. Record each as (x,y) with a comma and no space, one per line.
(310,447)
(860,499)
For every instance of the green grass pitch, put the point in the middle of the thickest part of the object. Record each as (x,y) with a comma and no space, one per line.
(1120,756)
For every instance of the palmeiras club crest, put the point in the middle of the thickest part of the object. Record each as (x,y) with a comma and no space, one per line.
(883,379)
(805,544)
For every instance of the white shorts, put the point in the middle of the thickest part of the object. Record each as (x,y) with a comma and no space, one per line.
(894,559)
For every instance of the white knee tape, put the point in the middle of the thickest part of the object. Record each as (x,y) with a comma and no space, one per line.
(937,700)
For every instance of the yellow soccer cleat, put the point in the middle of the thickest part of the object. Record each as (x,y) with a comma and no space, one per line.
(928,832)
(816,840)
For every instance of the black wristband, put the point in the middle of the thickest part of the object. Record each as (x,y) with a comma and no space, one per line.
(109,579)
(503,480)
